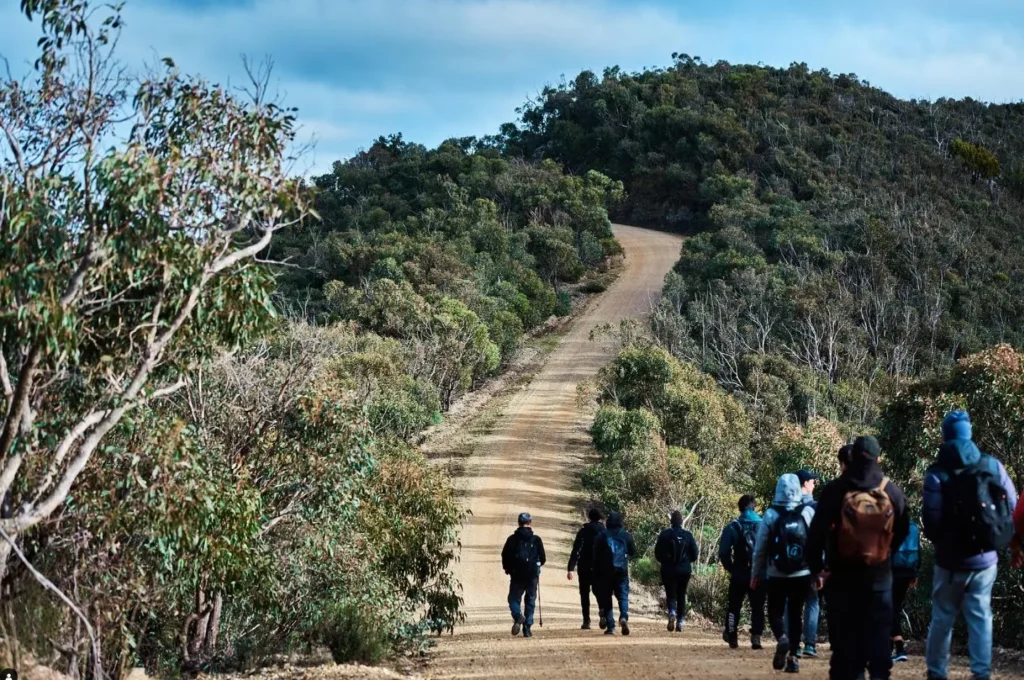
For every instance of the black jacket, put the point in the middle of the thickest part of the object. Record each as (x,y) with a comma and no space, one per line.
(582,555)
(508,553)
(861,475)
(603,553)
(665,554)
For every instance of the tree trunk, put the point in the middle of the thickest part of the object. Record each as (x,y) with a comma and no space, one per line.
(213,627)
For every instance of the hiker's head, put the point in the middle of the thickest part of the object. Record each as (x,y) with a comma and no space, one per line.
(594,515)
(677,518)
(865,448)
(746,502)
(807,480)
(525,520)
(845,451)
(614,520)
(956,425)
(787,491)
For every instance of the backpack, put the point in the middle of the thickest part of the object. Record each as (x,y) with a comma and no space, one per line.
(620,558)
(981,519)
(789,537)
(908,557)
(526,564)
(677,552)
(748,532)
(866,526)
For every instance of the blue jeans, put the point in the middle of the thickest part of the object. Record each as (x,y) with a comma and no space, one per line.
(969,592)
(620,589)
(516,590)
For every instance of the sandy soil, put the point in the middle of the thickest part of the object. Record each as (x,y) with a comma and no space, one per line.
(531,461)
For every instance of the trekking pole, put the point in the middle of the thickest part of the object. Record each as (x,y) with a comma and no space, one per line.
(540,608)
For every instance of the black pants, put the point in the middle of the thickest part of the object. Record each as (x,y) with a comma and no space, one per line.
(587,586)
(900,588)
(739,590)
(860,614)
(791,591)
(675,592)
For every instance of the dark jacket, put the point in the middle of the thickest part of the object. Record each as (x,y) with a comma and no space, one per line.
(508,553)
(732,548)
(953,455)
(861,475)
(665,554)
(582,556)
(603,568)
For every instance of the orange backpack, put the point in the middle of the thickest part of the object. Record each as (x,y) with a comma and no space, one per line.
(866,526)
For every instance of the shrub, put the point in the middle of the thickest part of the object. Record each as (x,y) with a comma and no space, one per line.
(563,304)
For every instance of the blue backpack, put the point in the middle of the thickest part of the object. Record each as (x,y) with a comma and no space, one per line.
(908,557)
(620,558)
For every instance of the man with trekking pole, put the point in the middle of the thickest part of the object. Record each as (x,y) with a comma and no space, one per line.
(521,558)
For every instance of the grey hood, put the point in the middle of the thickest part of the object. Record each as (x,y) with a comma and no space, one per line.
(788,493)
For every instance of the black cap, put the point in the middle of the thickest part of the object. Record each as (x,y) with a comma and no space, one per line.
(806,475)
(868,447)
(525,518)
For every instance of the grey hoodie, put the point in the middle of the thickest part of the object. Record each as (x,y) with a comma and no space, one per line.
(787,496)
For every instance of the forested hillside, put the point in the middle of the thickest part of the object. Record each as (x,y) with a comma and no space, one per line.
(850,256)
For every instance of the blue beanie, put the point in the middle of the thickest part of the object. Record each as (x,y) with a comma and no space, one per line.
(956,425)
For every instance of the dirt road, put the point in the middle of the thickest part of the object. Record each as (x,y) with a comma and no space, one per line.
(532,461)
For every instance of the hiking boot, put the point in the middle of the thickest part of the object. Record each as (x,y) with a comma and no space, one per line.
(671,623)
(810,651)
(781,650)
(585,626)
(734,640)
(679,625)
(602,622)
(518,625)
(609,631)
(725,635)
(792,665)
(527,632)
(624,625)
(755,642)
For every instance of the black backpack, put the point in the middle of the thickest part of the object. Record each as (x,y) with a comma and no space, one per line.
(678,548)
(527,561)
(979,512)
(748,533)
(789,538)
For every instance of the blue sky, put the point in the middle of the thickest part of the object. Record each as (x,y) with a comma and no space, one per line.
(434,69)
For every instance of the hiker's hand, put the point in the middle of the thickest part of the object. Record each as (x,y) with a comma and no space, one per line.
(569,575)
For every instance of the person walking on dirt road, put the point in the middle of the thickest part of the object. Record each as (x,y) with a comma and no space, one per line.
(581,560)
(613,549)
(861,520)
(736,553)
(782,544)
(812,607)
(968,514)
(521,558)
(676,550)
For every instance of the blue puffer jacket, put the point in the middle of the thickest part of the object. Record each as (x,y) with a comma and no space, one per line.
(955,454)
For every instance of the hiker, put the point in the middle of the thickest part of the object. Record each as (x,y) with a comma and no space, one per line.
(906,564)
(968,514)
(676,550)
(736,552)
(812,607)
(521,558)
(782,544)
(613,549)
(581,560)
(844,457)
(860,520)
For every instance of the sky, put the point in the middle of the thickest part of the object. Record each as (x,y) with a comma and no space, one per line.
(435,69)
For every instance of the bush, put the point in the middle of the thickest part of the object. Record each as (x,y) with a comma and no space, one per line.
(563,304)
(354,636)
(617,429)
(594,286)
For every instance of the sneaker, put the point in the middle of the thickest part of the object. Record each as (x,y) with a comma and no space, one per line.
(585,626)
(781,650)
(517,626)
(679,625)
(810,651)
(624,625)
(527,632)
(900,653)
(609,631)
(671,623)
(798,653)
(792,665)
(602,622)
(755,642)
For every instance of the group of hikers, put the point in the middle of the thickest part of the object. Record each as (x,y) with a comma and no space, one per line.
(855,547)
